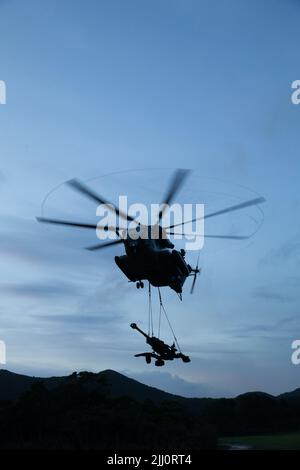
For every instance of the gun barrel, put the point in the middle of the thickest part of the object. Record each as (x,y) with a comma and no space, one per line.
(135,327)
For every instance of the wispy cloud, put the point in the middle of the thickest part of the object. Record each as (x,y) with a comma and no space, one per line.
(288,251)
(42,290)
(283,325)
(172,383)
(287,290)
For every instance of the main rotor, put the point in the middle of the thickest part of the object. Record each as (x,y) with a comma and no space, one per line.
(175,184)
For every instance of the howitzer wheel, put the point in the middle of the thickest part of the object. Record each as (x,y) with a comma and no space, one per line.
(159,363)
(185,358)
(148,358)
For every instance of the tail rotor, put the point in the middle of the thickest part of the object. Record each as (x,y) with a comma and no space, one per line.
(195,271)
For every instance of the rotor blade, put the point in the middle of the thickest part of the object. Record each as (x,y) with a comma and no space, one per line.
(229,237)
(193,284)
(197,265)
(83,189)
(176,183)
(196,272)
(104,245)
(76,224)
(252,202)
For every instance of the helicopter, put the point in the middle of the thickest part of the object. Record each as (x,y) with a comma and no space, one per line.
(152,258)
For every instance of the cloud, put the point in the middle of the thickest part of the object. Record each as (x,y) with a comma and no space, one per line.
(285,324)
(86,321)
(269,293)
(24,239)
(40,290)
(287,252)
(285,291)
(171,383)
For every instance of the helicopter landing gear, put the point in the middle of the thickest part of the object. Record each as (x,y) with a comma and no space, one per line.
(140,284)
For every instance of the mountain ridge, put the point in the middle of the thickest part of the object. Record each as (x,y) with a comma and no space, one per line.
(13,384)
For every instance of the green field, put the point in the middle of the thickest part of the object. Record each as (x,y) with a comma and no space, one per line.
(268,442)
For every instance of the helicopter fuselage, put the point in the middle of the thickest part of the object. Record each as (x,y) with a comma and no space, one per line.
(154,260)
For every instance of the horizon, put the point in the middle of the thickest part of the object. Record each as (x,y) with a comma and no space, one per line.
(150,383)
(124,374)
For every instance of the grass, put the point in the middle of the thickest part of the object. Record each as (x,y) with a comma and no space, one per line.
(268,442)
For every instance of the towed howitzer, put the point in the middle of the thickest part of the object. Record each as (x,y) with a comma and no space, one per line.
(161,351)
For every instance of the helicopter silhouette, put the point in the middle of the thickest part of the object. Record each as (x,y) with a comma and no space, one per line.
(151,258)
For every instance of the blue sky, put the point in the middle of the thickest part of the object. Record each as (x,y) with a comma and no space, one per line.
(99,87)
